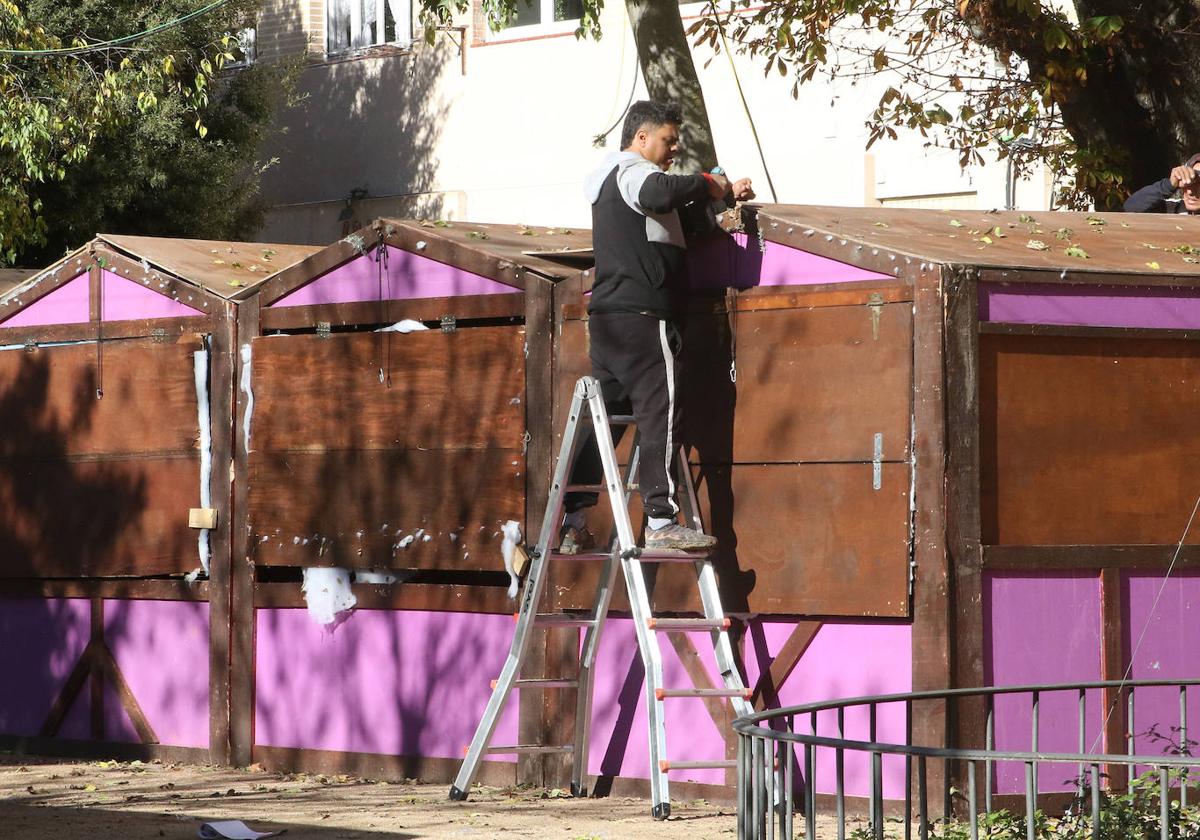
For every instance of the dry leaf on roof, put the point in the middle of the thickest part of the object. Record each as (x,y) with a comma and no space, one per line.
(955,223)
(1077,252)
(1037,245)
(1064,233)
(1153,265)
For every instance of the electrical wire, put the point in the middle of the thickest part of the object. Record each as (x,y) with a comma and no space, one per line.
(118,42)
(745,105)
(602,137)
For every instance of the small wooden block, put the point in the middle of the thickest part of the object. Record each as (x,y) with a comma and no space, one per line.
(202,518)
(520,560)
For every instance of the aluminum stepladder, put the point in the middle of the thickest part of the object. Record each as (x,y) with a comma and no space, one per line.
(587,405)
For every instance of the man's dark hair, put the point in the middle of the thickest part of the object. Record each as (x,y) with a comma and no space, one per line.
(651,114)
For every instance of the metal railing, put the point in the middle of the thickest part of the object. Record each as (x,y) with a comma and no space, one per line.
(779,752)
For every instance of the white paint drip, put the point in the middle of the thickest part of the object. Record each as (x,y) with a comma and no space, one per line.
(245,385)
(406,326)
(407,541)
(512,536)
(327,593)
(200,358)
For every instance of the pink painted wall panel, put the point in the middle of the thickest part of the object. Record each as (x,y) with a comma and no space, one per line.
(408,276)
(1042,628)
(1166,636)
(1091,306)
(46,638)
(68,304)
(719,262)
(409,683)
(162,649)
(844,660)
(125,300)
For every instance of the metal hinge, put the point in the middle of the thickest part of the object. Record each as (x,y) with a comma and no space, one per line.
(449,323)
(158,335)
(323,329)
(877,462)
(30,346)
(875,304)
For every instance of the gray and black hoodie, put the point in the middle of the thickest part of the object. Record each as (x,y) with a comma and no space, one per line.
(638,236)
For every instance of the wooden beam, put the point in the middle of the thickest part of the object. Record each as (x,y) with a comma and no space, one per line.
(766,690)
(1074,557)
(932,629)
(240,587)
(1002,328)
(105,667)
(1112,666)
(173,589)
(391,311)
(96,684)
(67,695)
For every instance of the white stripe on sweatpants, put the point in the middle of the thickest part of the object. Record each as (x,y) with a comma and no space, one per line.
(669,361)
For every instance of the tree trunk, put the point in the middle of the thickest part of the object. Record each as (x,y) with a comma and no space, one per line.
(1140,103)
(670,75)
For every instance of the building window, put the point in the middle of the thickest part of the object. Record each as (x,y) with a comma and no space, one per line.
(357,24)
(246,52)
(540,17)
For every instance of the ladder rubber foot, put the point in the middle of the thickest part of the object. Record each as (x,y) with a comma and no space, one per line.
(661,811)
(457,795)
(578,791)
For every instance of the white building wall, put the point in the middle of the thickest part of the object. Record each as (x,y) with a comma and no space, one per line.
(506,136)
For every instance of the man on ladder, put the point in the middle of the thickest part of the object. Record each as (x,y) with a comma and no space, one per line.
(641,281)
(637,300)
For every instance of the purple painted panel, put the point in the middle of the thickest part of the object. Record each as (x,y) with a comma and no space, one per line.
(844,660)
(1166,638)
(68,304)
(125,300)
(1042,628)
(719,262)
(48,636)
(1090,306)
(408,276)
(162,649)
(392,682)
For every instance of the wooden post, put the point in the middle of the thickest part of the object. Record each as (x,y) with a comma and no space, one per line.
(931,630)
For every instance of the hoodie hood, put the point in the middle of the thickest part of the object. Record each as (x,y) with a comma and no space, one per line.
(595,180)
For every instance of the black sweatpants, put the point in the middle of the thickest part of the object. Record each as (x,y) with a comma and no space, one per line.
(634,357)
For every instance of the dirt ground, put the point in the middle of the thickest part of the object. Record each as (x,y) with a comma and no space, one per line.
(48,800)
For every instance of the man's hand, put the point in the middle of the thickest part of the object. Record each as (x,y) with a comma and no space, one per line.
(1183,176)
(718,185)
(742,191)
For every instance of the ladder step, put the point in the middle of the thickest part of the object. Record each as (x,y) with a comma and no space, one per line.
(540,683)
(583,555)
(526,749)
(650,555)
(665,765)
(662,693)
(595,488)
(562,620)
(688,623)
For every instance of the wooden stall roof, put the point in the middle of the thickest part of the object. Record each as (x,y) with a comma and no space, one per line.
(553,252)
(1150,248)
(10,278)
(227,269)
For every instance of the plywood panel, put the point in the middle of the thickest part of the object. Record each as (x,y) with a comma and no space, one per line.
(360,509)
(458,390)
(809,539)
(812,384)
(48,404)
(1087,440)
(116,516)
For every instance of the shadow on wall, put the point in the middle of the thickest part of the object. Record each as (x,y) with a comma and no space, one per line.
(360,144)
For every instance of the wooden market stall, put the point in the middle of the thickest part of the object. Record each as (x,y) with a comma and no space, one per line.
(116,368)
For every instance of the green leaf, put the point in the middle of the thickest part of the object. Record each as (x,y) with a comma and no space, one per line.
(1076,251)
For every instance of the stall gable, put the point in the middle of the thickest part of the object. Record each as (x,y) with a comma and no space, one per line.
(402,276)
(123,299)
(744,263)
(68,304)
